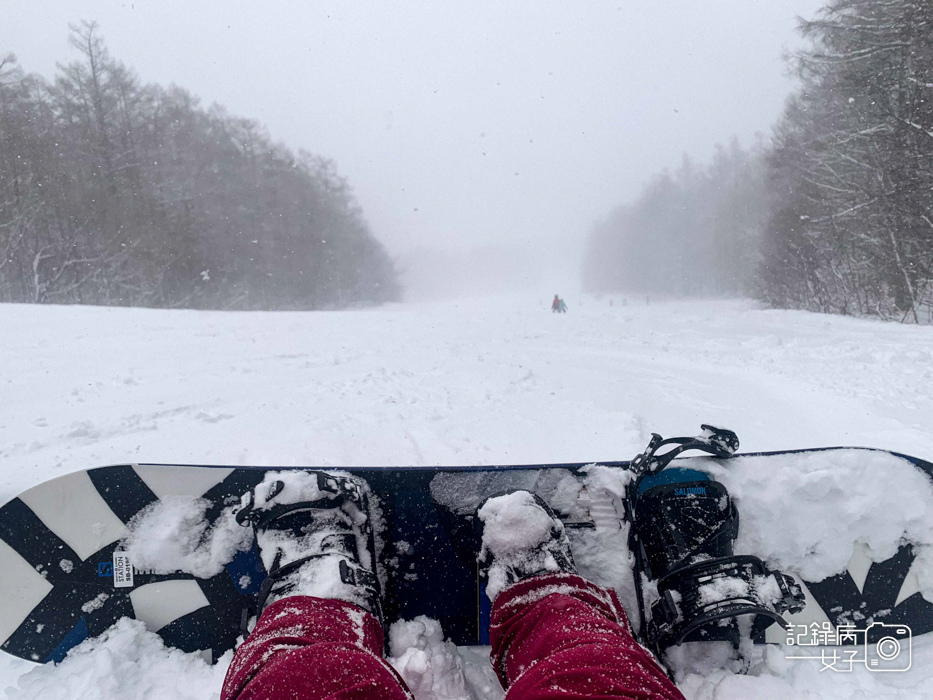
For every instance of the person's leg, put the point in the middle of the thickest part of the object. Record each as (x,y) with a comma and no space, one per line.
(553,633)
(560,636)
(304,648)
(318,635)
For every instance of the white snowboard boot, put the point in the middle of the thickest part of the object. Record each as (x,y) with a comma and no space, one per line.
(315,537)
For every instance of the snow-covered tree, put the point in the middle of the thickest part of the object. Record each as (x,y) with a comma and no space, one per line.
(851,229)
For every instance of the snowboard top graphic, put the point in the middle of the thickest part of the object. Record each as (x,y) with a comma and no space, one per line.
(157,543)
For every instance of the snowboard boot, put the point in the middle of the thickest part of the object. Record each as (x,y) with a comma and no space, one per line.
(315,538)
(684,526)
(521,537)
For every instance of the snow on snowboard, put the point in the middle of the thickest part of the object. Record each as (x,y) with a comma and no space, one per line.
(831,537)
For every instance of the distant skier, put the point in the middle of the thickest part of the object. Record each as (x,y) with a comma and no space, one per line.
(555,305)
(319,632)
(563,307)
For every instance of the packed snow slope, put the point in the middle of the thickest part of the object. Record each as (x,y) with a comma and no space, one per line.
(482,381)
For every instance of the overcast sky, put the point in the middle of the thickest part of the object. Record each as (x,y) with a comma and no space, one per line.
(461,125)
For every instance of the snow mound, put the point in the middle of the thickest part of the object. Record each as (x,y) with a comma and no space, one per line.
(125,663)
(514,523)
(517,532)
(825,503)
(431,667)
(602,555)
(174,534)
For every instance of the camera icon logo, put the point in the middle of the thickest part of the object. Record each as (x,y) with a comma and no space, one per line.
(891,651)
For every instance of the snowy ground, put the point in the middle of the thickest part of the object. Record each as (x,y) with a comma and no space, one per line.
(481,381)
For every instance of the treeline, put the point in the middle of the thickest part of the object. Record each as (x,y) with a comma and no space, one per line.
(848,179)
(693,232)
(114,192)
(851,230)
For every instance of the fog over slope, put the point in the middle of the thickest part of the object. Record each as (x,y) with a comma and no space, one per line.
(516,125)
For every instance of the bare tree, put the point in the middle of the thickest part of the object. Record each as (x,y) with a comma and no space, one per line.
(853,165)
(113,192)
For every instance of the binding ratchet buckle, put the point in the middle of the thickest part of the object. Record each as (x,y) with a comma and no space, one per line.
(702,594)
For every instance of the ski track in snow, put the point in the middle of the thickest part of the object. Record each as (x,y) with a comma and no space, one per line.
(479,381)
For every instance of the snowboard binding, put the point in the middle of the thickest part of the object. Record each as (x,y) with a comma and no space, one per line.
(315,537)
(683,528)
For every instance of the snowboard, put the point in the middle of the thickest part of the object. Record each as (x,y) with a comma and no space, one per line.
(159,543)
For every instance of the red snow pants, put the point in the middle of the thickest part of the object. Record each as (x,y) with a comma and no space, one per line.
(555,636)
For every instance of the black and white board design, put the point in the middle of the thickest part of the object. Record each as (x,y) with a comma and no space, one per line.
(63,578)
(57,544)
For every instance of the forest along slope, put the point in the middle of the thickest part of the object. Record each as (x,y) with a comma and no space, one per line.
(480,381)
